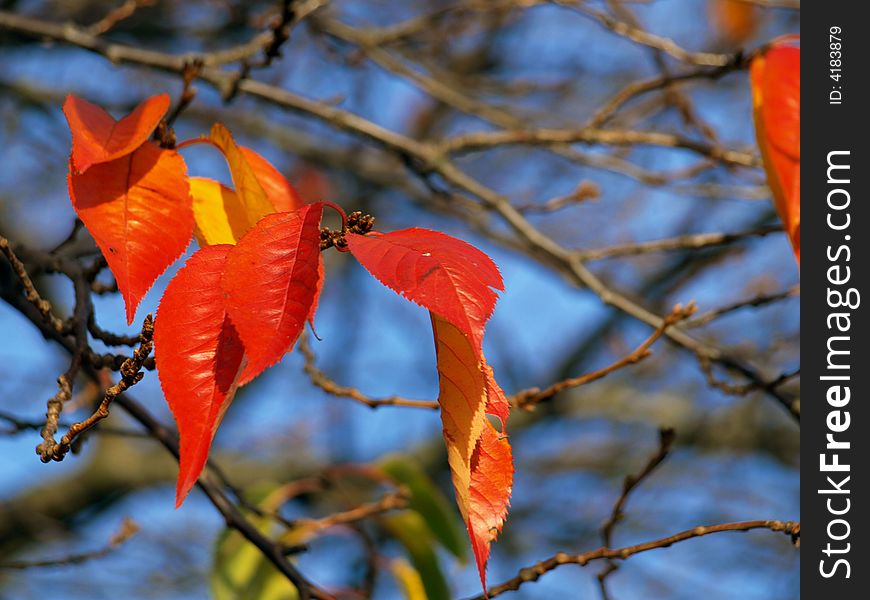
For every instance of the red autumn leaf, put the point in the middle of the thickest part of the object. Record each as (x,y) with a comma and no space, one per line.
(97,137)
(138,209)
(199,357)
(272,280)
(492,474)
(776,92)
(280,193)
(457,283)
(451,278)
(480,457)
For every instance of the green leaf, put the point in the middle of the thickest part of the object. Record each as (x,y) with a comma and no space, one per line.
(409,580)
(240,571)
(439,515)
(409,528)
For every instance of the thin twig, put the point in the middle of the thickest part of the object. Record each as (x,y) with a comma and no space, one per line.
(467,142)
(116,15)
(329,386)
(41,304)
(534,572)
(528,399)
(640,36)
(128,529)
(131,374)
(390,501)
(756,301)
(666,441)
(694,241)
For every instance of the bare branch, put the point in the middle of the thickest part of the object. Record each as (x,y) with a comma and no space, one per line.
(534,572)
(128,529)
(528,399)
(631,482)
(329,386)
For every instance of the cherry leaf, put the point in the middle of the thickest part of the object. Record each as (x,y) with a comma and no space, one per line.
(272,281)
(219,216)
(451,278)
(138,209)
(480,460)
(251,195)
(776,92)
(199,357)
(98,138)
(282,196)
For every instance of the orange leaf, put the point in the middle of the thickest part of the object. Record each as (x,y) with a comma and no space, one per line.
(282,196)
(251,194)
(480,457)
(137,207)
(492,474)
(736,20)
(456,282)
(199,358)
(97,137)
(272,281)
(776,94)
(451,278)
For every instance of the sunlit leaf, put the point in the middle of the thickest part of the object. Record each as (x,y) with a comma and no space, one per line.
(776,93)
(271,282)
(217,211)
(199,357)
(480,458)
(449,277)
(255,203)
(138,209)
(97,137)
(282,196)
(457,283)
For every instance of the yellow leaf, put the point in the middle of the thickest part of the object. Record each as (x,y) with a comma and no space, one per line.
(217,211)
(462,395)
(252,197)
(409,580)
(480,458)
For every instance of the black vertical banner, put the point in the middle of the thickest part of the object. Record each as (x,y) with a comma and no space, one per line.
(835,372)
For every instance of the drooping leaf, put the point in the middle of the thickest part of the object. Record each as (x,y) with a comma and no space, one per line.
(409,528)
(480,458)
(489,494)
(449,277)
(255,202)
(457,283)
(776,93)
(426,499)
(271,282)
(138,209)
(282,196)
(409,580)
(97,137)
(219,216)
(199,357)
